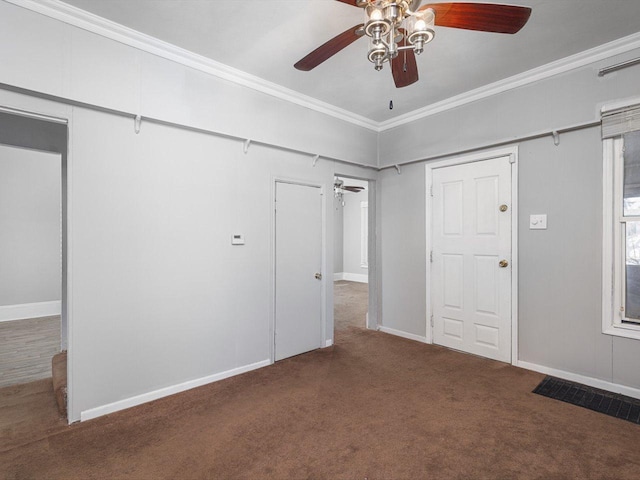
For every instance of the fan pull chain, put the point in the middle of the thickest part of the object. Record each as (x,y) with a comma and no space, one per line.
(390,104)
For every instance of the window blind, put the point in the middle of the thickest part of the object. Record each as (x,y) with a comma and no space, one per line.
(620,121)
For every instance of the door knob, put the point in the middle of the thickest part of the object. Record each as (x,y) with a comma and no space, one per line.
(503,264)
(319,276)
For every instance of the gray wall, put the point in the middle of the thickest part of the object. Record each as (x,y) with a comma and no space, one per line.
(154,273)
(52,57)
(560,268)
(403,245)
(153,276)
(30,230)
(352,225)
(560,101)
(559,287)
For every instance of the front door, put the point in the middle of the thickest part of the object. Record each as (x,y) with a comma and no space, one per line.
(298,303)
(471,271)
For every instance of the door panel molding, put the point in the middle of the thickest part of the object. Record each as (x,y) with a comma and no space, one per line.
(512,153)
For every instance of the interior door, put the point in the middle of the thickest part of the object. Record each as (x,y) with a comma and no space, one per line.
(471,272)
(298,302)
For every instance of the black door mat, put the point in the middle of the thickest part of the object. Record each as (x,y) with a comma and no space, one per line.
(609,403)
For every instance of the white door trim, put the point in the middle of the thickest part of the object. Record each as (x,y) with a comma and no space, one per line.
(512,152)
(374,305)
(51,111)
(325,271)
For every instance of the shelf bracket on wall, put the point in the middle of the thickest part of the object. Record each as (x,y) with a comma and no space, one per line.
(315,160)
(397,167)
(556,138)
(247,144)
(137,121)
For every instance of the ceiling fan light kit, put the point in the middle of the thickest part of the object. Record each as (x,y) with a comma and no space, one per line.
(388,23)
(406,26)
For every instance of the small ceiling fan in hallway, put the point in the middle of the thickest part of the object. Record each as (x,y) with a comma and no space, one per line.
(398,30)
(339,189)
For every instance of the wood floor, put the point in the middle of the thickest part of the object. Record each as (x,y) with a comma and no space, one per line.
(26,349)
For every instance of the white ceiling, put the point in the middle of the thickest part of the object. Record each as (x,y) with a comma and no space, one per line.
(266,37)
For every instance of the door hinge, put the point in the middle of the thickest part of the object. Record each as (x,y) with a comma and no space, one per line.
(431,256)
(431,190)
(431,320)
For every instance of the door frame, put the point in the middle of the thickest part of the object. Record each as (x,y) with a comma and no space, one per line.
(374,306)
(323,261)
(35,108)
(512,153)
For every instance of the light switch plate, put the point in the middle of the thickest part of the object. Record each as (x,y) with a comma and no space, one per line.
(538,222)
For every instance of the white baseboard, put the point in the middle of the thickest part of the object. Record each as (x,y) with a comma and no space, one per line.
(30,310)
(575,377)
(164,392)
(351,277)
(400,333)
(328,343)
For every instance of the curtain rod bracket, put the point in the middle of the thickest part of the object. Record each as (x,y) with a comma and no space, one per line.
(618,66)
(315,160)
(397,167)
(247,144)
(137,121)
(556,138)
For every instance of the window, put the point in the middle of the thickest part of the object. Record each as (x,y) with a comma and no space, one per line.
(621,230)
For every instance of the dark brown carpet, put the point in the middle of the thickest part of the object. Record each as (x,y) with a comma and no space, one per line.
(373,406)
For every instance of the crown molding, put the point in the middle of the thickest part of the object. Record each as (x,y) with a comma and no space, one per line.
(76,17)
(100,26)
(602,52)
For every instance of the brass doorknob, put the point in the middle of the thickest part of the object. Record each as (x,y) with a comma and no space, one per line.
(503,208)
(319,276)
(503,264)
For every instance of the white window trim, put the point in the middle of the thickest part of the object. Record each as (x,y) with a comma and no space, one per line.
(612,257)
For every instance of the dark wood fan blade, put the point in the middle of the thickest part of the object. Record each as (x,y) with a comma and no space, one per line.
(485,17)
(353,188)
(404,67)
(349,2)
(329,49)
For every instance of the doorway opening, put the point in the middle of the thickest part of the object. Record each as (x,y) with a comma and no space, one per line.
(33,323)
(351,254)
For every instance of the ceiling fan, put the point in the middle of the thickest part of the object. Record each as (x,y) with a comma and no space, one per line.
(399,29)
(339,188)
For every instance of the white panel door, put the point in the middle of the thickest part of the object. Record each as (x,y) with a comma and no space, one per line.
(298,303)
(471,271)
